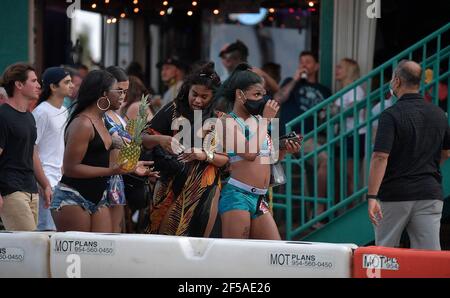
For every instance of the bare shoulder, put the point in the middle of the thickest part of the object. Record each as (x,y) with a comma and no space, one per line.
(81,126)
(133,110)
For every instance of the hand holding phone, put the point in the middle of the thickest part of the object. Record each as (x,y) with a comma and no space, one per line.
(291,137)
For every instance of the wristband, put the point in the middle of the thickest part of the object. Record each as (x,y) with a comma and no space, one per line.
(371,197)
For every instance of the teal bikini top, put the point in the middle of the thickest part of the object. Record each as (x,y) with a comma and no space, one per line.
(265,149)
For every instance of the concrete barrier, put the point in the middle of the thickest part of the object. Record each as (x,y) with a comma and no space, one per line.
(385,262)
(89,255)
(24,255)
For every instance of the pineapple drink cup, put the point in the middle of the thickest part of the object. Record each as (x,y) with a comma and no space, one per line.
(130,153)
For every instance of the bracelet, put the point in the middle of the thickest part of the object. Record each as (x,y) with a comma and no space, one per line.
(209,156)
(371,197)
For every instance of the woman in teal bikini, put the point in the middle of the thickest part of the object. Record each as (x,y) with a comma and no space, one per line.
(243,206)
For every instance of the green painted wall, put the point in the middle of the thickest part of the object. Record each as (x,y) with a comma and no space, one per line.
(326,42)
(13,32)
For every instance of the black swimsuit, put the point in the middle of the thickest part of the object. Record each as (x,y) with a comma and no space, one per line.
(92,189)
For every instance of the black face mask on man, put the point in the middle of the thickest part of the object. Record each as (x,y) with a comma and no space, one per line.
(254,107)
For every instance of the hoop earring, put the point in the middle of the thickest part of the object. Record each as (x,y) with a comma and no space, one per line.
(104,109)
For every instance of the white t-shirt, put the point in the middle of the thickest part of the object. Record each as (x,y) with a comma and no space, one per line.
(172,93)
(348,101)
(50,124)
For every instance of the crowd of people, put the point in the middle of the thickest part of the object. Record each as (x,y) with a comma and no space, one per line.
(61,134)
(59,163)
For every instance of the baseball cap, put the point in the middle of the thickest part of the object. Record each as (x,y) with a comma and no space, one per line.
(53,75)
(174,60)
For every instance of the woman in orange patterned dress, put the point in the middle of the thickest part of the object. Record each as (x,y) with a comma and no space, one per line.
(186,196)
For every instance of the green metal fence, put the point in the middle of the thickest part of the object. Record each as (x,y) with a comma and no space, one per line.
(309,198)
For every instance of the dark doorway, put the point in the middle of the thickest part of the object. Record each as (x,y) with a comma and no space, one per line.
(404,23)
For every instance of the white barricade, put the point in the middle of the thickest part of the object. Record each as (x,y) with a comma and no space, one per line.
(24,255)
(89,255)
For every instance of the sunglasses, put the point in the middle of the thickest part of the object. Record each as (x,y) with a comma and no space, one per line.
(120,91)
(213,77)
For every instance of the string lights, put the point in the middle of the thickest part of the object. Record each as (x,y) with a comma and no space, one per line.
(167,8)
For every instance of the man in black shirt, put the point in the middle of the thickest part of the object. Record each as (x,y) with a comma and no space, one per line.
(301,93)
(297,96)
(405,188)
(19,161)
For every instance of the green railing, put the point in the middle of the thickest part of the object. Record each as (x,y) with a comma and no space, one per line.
(309,198)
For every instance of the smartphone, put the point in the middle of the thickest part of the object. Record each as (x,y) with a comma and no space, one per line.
(290,137)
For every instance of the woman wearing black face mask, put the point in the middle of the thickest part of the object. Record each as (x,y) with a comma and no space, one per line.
(243,206)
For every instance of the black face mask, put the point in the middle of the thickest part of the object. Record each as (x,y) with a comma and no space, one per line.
(255,107)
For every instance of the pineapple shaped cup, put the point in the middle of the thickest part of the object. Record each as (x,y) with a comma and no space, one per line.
(130,153)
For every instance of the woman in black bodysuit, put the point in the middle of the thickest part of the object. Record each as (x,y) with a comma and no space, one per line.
(79,199)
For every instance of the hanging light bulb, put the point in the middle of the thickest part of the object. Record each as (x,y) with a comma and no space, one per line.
(136,10)
(216,11)
(135,2)
(272,10)
(311,4)
(165,3)
(194,3)
(114,20)
(190,13)
(106,1)
(123,15)
(162,12)
(94,6)
(108,21)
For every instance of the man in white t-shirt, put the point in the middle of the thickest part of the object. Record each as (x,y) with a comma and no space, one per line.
(51,117)
(173,71)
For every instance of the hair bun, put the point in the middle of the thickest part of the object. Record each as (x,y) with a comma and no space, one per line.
(243,67)
(207,68)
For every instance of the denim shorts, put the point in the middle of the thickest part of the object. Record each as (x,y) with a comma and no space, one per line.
(66,196)
(235,198)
